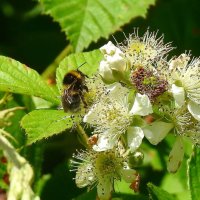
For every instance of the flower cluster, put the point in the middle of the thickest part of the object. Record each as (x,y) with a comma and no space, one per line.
(142,94)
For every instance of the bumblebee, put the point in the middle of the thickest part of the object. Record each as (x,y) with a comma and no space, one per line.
(74,90)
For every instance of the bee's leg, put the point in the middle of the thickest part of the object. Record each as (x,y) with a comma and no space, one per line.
(83,100)
(85,88)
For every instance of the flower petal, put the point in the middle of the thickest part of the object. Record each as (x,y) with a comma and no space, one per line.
(178,94)
(118,92)
(157,131)
(176,156)
(104,189)
(91,116)
(194,109)
(142,105)
(105,71)
(110,49)
(128,175)
(105,142)
(116,62)
(134,137)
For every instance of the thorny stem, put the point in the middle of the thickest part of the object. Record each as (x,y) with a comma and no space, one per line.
(50,70)
(82,135)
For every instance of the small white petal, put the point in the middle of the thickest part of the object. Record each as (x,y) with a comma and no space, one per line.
(105,142)
(142,105)
(194,109)
(110,49)
(118,92)
(105,71)
(176,156)
(91,116)
(116,62)
(128,175)
(134,137)
(157,131)
(178,94)
(104,189)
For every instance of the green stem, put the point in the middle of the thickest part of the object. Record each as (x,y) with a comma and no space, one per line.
(51,69)
(5,98)
(82,135)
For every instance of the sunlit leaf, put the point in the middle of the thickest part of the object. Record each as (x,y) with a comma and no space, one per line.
(194,174)
(84,21)
(40,124)
(18,78)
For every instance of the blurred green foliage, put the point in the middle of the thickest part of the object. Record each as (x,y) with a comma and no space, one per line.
(32,38)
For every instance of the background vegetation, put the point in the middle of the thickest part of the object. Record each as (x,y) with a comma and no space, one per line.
(33,33)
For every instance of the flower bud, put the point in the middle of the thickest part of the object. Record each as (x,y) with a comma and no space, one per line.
(114,60)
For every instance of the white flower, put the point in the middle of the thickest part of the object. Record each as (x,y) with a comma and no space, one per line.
(112,116)
(141,51)
(101,169)
(183,76)
(114,60)
(185,73)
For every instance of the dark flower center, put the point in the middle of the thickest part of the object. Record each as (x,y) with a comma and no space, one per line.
(147,83)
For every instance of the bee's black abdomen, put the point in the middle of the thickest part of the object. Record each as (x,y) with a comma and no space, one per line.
(71,102)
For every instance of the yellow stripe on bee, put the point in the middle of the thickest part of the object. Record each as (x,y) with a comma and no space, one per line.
(76,74)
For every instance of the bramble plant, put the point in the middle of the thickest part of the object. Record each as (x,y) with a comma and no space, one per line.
(131,102)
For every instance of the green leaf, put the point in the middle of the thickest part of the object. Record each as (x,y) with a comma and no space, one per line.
(40,124)
(194,174)
(156,193)
(18,78)
(122,187)
(84,21)
(73,61)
